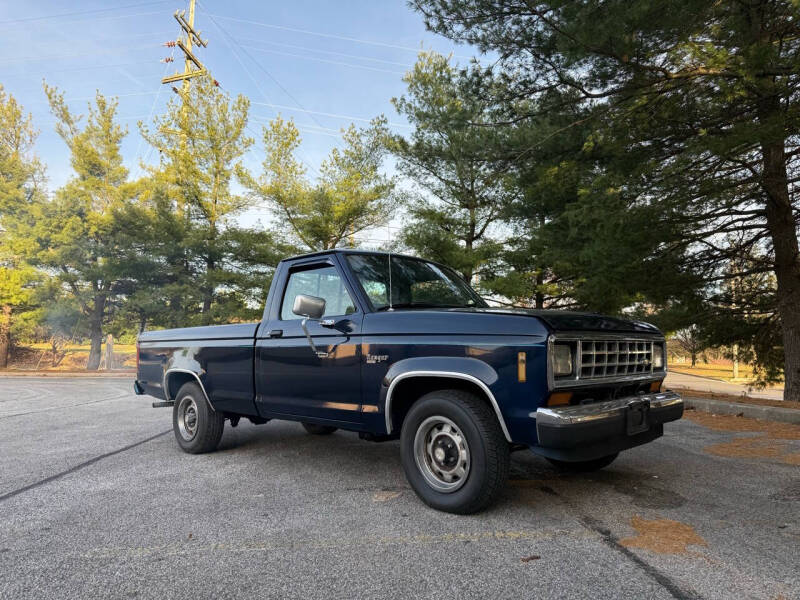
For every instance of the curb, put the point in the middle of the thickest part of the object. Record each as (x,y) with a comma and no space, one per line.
(752,411)
(88,374)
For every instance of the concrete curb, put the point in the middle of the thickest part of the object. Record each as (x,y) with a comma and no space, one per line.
(752,411)
(89,374)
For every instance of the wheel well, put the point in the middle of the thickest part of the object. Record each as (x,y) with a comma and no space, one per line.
(175,381)
(409,390)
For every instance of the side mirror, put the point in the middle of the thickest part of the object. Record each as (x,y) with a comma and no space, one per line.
(310,307)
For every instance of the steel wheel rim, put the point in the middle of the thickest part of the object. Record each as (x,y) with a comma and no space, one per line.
(442,454)
(187,418)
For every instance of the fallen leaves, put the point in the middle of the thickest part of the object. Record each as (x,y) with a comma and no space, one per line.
(663,536)
(385,495)
(772,443)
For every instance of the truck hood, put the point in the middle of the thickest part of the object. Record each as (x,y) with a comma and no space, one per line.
(566,320)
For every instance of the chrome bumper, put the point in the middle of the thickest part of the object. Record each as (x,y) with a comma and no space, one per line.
(573,426)
(584,413)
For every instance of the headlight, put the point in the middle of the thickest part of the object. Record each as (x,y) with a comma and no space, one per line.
(562,360)
(658,356)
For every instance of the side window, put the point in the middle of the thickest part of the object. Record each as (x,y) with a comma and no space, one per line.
(323,282)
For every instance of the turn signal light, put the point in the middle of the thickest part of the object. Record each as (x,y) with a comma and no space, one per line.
(655,386)
(559,399)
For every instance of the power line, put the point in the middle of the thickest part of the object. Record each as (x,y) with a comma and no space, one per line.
(261,67)
(324,60)
(226,37)
(113,96)
(77,55)
(307,49)
(326,114)
(82,12)
(146,157)
(256,136)
(109,18)
(326,35)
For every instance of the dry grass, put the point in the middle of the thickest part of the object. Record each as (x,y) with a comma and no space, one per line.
(39,358)
(690,393)
(773,429)
(773,442)
(721,371)
(663,536)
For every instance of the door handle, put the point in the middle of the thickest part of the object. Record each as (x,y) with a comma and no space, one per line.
(276,333)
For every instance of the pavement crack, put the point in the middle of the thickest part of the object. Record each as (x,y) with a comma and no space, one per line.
(79,466)
(612,541)
(64,407)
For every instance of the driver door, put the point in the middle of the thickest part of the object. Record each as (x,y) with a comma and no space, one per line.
(293,381)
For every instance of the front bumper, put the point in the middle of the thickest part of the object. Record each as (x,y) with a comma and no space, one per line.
(589,431)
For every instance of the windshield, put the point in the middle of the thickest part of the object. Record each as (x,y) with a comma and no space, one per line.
(414,283)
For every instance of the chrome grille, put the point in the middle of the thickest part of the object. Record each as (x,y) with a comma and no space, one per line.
(614,358)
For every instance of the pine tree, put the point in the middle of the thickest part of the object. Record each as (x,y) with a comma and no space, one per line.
(21,181)
(449,156)
(211,269)
(698,101)
(352,194)
(79,234)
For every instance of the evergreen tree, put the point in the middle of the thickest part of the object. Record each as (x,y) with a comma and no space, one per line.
(211,270)
(21,180)
(449,156)
(80,239)
(352,194)
(698,102)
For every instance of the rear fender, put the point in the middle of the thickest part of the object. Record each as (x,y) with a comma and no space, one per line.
(176,371)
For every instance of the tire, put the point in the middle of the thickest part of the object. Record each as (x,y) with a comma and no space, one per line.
(197,428)
(453,451)
(314,429)
(583,466)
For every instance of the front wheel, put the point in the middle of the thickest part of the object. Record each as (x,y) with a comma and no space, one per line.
(454,454)
(583,466)
(197,427)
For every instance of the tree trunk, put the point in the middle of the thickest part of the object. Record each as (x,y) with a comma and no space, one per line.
(782,229)
(539,294)
(5,335)
(96,333)
(208,292)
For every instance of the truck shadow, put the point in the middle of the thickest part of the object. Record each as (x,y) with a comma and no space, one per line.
(325,453)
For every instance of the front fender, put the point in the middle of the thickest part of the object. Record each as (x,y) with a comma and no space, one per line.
(473,370)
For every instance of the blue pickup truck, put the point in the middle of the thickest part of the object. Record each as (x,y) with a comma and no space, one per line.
(395,347)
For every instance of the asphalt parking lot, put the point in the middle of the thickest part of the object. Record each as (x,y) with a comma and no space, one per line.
(97,501)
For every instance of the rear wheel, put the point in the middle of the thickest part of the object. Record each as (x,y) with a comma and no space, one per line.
(197,427)
(583,466)
(454,454)
(315,429)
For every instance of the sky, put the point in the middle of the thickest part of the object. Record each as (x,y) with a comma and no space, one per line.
(324,64)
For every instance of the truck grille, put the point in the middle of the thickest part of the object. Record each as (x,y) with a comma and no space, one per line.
(614,358)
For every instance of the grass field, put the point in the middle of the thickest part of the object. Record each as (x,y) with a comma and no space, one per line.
(38,357)
(123,348)
(721,371)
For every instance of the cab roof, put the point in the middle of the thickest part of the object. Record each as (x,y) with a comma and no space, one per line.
(346,251)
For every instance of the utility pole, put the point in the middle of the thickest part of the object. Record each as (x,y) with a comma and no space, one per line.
(192,67)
